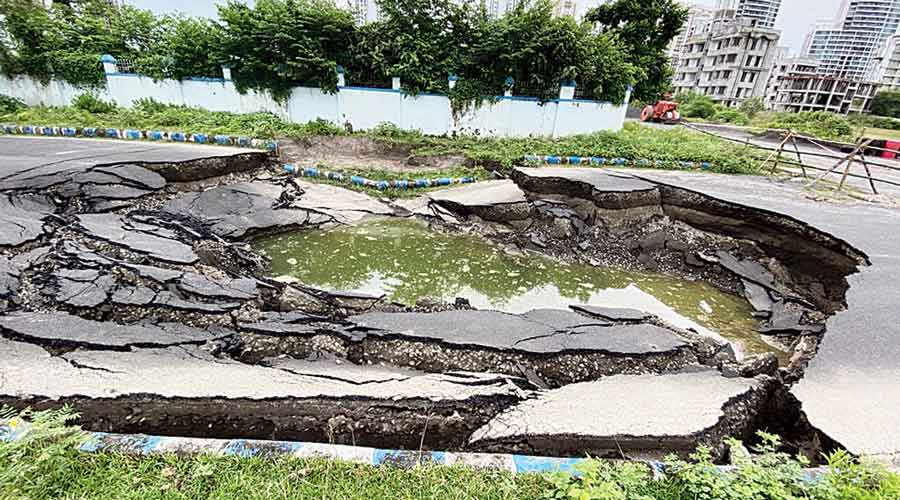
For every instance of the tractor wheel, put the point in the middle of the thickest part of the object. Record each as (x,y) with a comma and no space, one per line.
(647,113)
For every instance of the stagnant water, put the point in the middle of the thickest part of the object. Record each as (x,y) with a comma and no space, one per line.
(407,261)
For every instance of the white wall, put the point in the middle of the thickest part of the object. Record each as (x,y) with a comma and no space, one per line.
(363,108)
(35,93)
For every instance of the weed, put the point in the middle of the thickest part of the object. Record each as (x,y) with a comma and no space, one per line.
(92,104)
(9,104)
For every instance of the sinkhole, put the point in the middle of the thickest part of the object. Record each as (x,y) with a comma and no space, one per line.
(408,261)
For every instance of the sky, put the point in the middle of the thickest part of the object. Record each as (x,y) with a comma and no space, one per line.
(795,19)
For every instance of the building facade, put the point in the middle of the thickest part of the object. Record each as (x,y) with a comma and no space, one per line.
(784,68)
(699,18)
(848,48)
(763,12)
(814,92)
(885,67)
(729,60)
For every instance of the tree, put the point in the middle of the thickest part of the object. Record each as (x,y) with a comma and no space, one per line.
(280,44)
(645,28)
(887,103)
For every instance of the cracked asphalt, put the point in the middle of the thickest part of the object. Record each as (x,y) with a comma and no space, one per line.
(158,269)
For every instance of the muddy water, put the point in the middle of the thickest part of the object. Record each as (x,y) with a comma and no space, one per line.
(403,259)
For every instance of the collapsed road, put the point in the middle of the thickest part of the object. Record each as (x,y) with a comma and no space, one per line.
(129,291)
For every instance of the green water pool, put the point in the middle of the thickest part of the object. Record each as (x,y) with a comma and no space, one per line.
(405,260)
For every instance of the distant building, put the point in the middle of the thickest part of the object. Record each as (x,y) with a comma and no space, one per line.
(813,92)
(885,67)
(849,46)
(729,57)
(566,8)
(698,19)
(787,67)
(764,12)
(365,11)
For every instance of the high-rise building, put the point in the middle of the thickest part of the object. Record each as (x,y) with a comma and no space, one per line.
(566,8)
(763,12)
(849,46)
(885,67)
(729,57)
(698,20)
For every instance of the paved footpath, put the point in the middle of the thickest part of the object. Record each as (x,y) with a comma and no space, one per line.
(851,390)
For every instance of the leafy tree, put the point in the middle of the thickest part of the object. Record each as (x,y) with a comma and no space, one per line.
(188,47)
(279,44)
(645,28)
(887,103)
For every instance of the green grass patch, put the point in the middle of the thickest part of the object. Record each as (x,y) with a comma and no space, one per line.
(45,464)
(634,142)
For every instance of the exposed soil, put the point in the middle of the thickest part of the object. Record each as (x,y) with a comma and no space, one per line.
(359,152)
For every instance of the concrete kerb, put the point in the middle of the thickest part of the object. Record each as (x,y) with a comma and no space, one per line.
(143,444)
(599,161)
(136,135)
(381,185)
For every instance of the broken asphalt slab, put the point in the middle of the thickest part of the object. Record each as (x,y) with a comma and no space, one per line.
(631,414)
(849,390)
(500,200)
(541,331)
(180,390)
(65,330)
(238,210)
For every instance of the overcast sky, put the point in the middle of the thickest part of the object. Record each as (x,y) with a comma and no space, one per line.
(795,19)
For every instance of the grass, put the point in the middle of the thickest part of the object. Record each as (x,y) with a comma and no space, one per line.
(45,464)
(634,142)
(389,175)
(881,133)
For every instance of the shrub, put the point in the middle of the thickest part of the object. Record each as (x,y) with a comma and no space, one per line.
(887,103)
(697,106)
(766,475)
(730,115)
(392,131)
(9,104)
(876,121)
(92,104)
(815,123)
(752,106)
(321,127)
(149,105)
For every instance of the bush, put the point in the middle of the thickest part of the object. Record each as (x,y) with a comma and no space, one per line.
(392,131)
(9,104)
(752,106)
(730,115)
(696,106)
(887,103)
(875,121)
(765,475)
(815,123)
(92,104)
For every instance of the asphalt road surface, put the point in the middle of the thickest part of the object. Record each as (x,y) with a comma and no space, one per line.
(30,157)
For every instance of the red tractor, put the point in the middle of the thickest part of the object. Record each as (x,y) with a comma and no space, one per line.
(664,111)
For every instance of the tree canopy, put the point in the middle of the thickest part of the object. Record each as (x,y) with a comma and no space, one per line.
(278,44)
